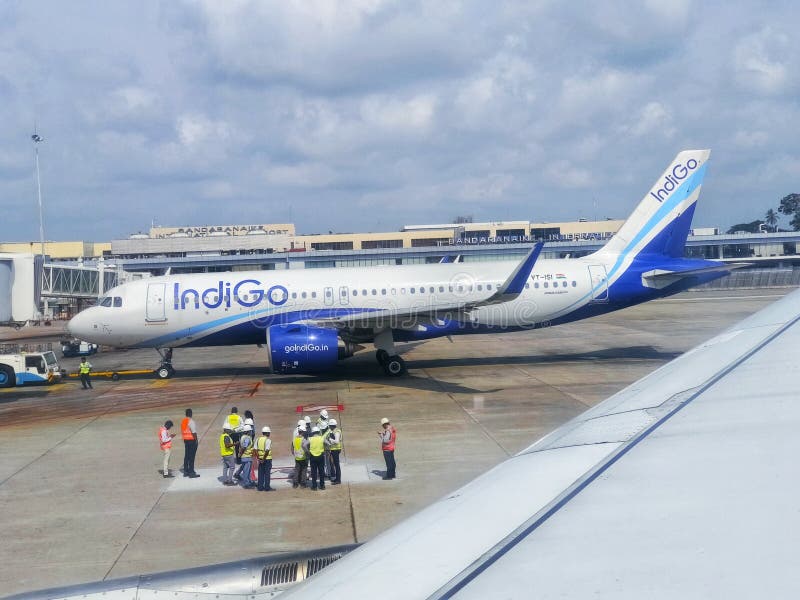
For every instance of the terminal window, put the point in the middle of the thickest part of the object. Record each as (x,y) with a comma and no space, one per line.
(373,244)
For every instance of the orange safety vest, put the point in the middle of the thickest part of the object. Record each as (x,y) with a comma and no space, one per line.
(187,434)
(390,444)
(162,433)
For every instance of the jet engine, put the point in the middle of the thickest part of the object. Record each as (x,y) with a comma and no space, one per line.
(297,348)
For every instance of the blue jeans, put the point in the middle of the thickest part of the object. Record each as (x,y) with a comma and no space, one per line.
(244,471)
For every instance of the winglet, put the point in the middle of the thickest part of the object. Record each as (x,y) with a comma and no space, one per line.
(516,281)
(513,286)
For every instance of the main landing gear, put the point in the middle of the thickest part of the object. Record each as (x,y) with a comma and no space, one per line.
(392,364)
(165,370)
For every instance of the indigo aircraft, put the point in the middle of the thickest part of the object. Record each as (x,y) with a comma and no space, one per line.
(310,319)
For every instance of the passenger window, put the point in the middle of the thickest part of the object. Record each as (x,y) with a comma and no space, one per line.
(480,287)
(402,290)
(394,292)
(313,294)
(294,295)
(451,288)
(527,285)
(441,288)
(117,302)
(106,301)
(563,284)
(374,292)
(545,284)
(422,289)
(304,294)
(536,285)
(461,288)
(413,290)
(432,289)
(574,284)
(470,287)
(489,286)
(355,292)
(383,292)
(363,292)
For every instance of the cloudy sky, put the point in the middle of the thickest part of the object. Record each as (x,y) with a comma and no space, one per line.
(371,114)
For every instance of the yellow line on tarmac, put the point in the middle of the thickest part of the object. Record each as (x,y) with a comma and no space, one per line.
(160,383)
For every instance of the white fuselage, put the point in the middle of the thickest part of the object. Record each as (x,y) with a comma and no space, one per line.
(176,310)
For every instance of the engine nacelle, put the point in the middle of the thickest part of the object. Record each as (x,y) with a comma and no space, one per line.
(297,348)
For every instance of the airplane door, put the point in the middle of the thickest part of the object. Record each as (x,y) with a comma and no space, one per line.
(344,295)
(328,296)
(599,280)
(156,308)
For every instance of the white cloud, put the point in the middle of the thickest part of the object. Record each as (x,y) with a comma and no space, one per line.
(758,61)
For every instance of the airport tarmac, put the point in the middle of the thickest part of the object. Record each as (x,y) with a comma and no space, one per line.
(82,499)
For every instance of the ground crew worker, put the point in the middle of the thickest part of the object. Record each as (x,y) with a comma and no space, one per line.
(245,472)
(236,429)
(333,444)
(322,424)
(316,448)
(84,369)
(264,455)
(227,450)
(388,437)
(189,434)
(248,414)
(300,458)
(165,441)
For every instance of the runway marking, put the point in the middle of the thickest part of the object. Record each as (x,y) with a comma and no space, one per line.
(751,297)
(161,383)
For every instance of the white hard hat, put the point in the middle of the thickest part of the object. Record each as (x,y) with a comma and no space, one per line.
(248,421)
(266,430)
(301,423)
(248,428)
(323,413)
(307,419)
(315,429)
(384,421)
(332,422)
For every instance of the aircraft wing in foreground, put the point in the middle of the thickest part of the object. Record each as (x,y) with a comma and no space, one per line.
(682,485)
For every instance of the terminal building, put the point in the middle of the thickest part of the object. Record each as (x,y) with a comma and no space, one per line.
(76,272)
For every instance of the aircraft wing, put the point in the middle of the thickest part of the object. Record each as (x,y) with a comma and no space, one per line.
(682,485)
(509,290)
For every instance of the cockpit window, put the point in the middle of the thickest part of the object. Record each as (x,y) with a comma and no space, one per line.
(117,301)
(105,301)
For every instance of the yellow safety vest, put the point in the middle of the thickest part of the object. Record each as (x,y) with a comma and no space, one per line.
(247,452)
(261,448)
(299,453)
(85,367)
(223,451)
(338,445)
(234,420)
(316,445)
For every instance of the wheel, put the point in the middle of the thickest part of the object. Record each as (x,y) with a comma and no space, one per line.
(395,366)
(163,372)
(381,356)
(7,377)
(115,377)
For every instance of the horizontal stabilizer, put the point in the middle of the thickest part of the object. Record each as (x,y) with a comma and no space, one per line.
(661,278)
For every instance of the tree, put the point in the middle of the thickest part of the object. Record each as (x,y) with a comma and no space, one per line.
(771,219)
(790,205)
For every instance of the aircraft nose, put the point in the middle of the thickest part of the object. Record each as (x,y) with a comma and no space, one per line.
(79,326)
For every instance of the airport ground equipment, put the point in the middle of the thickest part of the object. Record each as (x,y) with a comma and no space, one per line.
(75,347)
(36,367)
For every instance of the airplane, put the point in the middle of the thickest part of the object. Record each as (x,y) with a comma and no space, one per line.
(681,485)
(310,319)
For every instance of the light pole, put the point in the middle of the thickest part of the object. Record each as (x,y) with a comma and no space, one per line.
(37,139)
